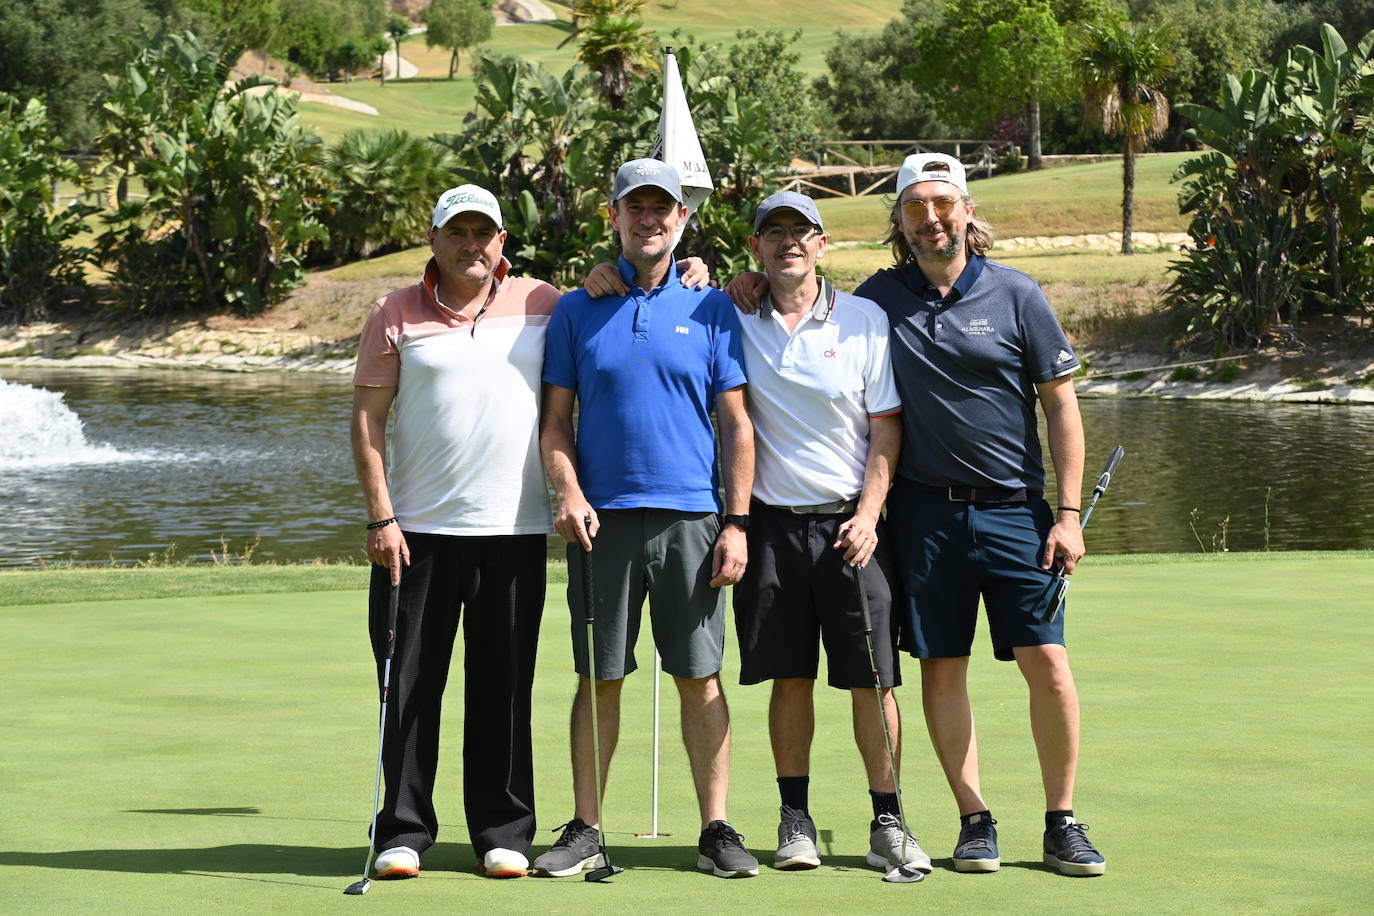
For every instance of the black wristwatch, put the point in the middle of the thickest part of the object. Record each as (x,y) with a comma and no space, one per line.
(741,521)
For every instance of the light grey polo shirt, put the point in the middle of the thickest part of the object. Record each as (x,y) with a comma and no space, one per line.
(811,393)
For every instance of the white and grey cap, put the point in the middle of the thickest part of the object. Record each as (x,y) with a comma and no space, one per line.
(640,172)
(467,198)
(788,200)
(931,167)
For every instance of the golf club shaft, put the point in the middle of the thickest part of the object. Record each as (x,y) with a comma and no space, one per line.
(1060,586)
(393,607)
(590,615)
(882,706)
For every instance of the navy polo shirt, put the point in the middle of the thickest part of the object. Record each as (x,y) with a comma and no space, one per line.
(966,366)
(646,368)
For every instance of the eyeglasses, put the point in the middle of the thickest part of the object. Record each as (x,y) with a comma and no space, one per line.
(801,233)
(917,208)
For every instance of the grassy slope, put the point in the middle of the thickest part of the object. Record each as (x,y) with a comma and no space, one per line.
(216,753)
(1074,200)
(432,103)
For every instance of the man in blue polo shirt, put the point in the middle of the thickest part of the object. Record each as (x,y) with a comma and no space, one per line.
(637,493)
(974,347)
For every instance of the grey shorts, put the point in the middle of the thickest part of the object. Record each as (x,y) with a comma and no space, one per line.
(661,554)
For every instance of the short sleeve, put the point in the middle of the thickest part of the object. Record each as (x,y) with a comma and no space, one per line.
(727,359)
(880,386)
(379,362)
(560,366)
(1049,355)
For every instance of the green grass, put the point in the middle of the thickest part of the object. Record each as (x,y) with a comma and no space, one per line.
(1073,200)
(215,754)
(848,267)
(432,103)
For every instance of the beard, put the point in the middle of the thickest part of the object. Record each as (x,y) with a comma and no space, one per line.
(947,251)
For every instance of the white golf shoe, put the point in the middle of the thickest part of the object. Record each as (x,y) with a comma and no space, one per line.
(397,862)
(504,863)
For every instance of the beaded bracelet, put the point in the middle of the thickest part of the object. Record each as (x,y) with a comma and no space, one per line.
(382,524)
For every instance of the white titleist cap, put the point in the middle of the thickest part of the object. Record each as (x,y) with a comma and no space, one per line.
(931,167)
(468,198)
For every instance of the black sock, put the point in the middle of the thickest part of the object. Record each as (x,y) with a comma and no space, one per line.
(1055,818)
(963,818)
(793,790)
(884,803)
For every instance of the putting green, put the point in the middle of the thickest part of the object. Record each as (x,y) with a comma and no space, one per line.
(215,753)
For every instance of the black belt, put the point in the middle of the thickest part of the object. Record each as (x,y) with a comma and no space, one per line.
(980,496)
(838,507)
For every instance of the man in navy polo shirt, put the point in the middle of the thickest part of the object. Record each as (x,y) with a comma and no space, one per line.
(637,493)
(975,344)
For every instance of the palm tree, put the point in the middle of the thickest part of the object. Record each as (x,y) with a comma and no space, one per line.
(614,45)
(1119,67)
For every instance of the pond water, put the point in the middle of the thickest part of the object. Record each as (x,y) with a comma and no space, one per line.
(102,465)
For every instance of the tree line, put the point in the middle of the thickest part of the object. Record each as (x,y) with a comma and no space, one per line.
(235,198)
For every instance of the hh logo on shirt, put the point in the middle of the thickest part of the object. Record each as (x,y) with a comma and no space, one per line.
(682,329)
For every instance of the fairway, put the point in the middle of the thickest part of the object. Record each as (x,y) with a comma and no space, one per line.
(215,753)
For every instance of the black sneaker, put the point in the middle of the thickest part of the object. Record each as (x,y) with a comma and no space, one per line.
(578,848)
(721,852)
(977,846)
(1068,849)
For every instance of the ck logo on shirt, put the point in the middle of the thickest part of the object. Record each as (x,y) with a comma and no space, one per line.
(829,354)
(682,329)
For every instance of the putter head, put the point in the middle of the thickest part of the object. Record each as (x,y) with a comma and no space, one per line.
(602,873)
(904,874)
(359,887)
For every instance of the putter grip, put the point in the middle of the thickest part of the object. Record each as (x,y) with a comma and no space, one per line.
(1112,462)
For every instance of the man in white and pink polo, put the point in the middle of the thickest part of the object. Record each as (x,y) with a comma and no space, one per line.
(458,513)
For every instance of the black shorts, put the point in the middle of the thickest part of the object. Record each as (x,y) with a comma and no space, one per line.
(797,587)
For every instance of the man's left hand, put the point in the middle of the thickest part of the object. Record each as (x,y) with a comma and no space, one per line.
(728,557)
(859,538)
(1064,543)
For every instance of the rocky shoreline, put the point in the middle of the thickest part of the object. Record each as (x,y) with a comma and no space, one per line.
(1348,381)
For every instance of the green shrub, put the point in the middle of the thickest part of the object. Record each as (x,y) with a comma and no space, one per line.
(1281,221)
(38,265)
(232,183)
(383,184)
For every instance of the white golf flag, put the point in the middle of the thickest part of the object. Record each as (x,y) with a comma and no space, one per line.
(677,143)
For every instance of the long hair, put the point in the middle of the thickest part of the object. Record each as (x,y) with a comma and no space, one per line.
(977,238)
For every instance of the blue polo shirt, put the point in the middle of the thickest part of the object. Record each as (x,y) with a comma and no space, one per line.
(966,366)
(646,368)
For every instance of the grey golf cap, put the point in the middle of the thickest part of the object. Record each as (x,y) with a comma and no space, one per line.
(640,172)
(788,200)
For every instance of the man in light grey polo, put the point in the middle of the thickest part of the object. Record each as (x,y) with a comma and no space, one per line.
(827,430)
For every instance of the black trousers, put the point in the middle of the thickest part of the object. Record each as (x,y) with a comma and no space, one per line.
(498,584)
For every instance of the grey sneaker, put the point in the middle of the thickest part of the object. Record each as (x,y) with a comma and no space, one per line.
(885,844)
(977,846)
(796,841)
(578,848)
(1068,849)
(721,852)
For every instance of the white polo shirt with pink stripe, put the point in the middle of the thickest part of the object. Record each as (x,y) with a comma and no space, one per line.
(463,456)
(811,393)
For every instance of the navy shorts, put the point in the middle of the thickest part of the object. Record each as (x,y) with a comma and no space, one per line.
(950,554)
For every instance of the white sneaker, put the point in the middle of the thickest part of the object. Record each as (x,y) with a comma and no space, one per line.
(397,862)
(504,863)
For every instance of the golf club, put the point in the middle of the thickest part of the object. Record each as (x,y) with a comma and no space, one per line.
(903,873)
(363,885)
(607,869)
(1059,586)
